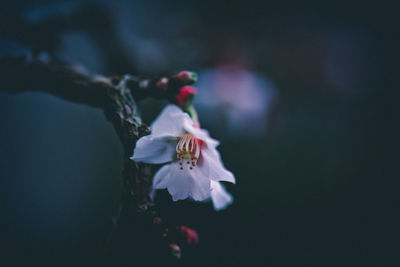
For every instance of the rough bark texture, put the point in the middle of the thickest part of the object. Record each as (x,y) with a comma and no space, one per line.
(139,233)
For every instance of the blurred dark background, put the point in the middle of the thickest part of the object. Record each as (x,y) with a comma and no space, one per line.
(301,97)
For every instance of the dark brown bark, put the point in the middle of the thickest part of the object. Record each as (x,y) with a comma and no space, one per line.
(140,233)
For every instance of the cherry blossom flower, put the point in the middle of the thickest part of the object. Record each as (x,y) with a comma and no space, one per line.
(195,167)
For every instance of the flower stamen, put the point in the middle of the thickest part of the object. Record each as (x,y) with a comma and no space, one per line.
(188,149)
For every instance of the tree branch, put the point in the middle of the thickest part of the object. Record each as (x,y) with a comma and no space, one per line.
(116,96)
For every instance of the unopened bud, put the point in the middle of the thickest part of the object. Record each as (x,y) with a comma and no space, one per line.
(187,77)
(162,83)
(191,235)
(175,250)
(185,96)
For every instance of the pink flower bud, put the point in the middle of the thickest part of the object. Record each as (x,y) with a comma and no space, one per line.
(187,76)
(176,250)
(162,83)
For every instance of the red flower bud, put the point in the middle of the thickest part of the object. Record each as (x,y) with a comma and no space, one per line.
(185,96)
(191,235)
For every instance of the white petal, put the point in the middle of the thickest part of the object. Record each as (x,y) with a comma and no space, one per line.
(161,178)
(170,122)
(219,196)
(212,161)
(201,134)
(152,194)
(155,150)
(188,183)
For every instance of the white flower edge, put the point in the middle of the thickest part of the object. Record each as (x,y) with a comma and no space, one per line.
(200,181)
(219,196)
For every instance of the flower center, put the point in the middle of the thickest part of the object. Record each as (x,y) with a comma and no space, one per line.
(188,149)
